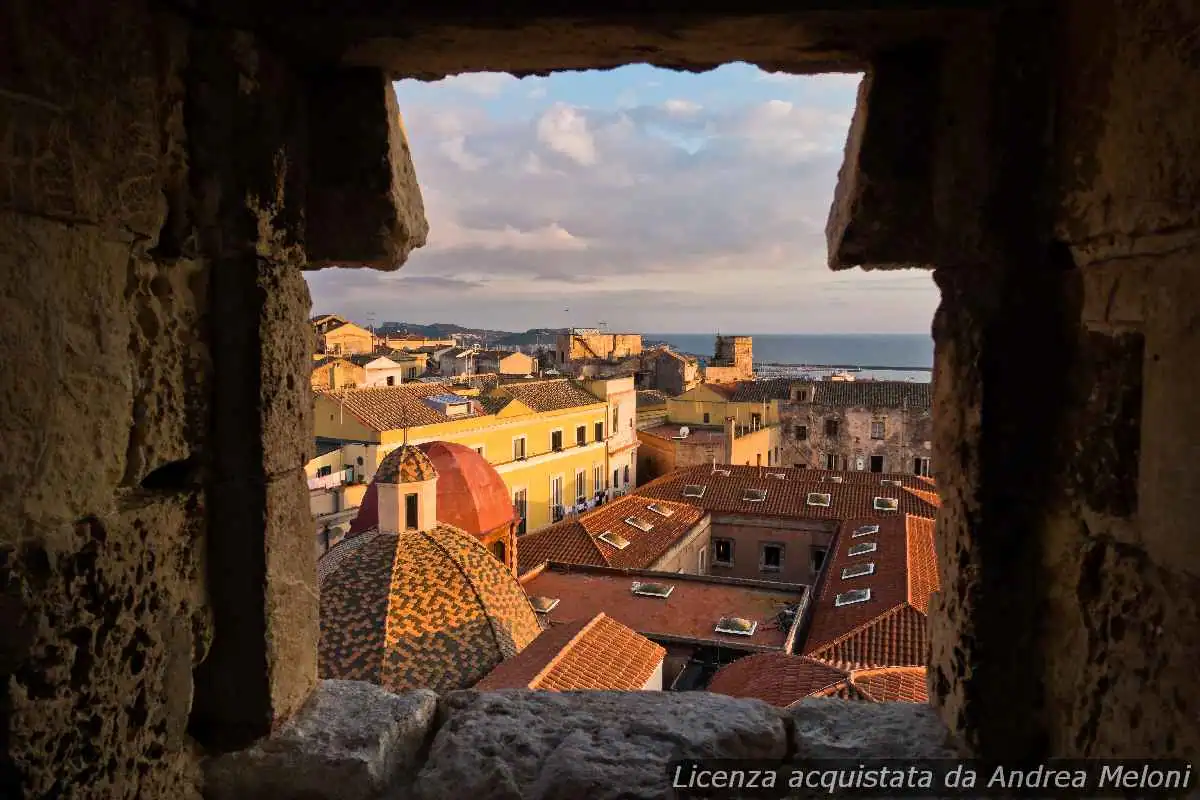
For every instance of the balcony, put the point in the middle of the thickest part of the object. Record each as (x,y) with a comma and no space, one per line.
(331,481)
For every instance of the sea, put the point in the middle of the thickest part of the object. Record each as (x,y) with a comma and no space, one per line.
(879,356)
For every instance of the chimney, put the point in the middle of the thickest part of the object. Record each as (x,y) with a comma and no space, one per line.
(730,435)
(406,483)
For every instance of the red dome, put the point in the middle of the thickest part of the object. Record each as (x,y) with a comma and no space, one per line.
(471,495)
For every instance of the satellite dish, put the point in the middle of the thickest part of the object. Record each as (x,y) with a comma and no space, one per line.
(684,431)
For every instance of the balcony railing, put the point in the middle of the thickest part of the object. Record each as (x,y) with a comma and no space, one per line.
(330,481)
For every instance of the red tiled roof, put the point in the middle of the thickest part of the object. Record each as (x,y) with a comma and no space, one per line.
(776,678)
(786,497)
(927,480)
(892,684)
(573,541)
(691,612)
(726,390)
(552,395)
(599,653)
(890,629)
(389,408)
(929,496)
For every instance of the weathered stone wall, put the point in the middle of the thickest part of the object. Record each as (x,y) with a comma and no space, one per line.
(908,434)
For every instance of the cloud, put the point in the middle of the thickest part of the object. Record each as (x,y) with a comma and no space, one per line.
(487,84)
(565,130)
(683,214)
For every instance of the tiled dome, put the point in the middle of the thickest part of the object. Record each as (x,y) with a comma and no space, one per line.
(419,610)
(405,464)
(470,493)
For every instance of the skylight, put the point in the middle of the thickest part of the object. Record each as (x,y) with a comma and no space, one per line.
(755,495)
(865,530)
(778,475)
(851,597)
(724,472)
(736,626)
(640,524)
(833,478)
(661,590)
(861,549)
(693,490)
(891,482)
(818,499)
(661,510)
(858,570)
(614,539)
(886,504)
(543,605)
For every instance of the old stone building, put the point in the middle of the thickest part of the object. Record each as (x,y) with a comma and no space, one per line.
(170,169)
(877,426)
(732,361)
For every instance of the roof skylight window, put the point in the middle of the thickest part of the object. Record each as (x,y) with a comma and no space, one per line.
(818,499)
(858,570)
(736,626)
(640,524)
(865,530)
(613,539)
(862,548)
(694,490)
(851,597)
(661,510)
(755,495)
(543,605)
(886,504)
(659,590)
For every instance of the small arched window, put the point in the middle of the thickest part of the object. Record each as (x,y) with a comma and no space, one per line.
(499,551)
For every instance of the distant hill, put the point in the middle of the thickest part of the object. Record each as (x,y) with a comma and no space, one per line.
(439,330)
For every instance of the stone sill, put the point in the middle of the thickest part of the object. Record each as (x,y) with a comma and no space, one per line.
(355,741)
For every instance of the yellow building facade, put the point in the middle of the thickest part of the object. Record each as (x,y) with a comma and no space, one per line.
(546,439)
(346,338)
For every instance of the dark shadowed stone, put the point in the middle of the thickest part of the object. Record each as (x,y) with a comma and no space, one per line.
(348,741)
(829,728)
(1111,425)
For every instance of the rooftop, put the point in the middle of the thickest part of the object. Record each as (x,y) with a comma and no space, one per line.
(552,395)
(690,613)
(889,628)
(873,394)
(651,398)
(850,494)
(389,408)
(781,680)
(599,653)
(671,430)
(574,541)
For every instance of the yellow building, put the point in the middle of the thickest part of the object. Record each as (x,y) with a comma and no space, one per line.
(547,439)
(723,423)
(335,335)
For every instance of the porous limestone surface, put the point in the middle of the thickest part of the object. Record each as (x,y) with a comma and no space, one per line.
(349,741)
(829,728)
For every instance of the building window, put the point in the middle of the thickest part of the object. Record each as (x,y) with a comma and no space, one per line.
(876,463)
(626,474)
(556,497)
(410,512)
(518,448)
(800,432)
(722,552)
(876,430)
(831,461)
(758,459)
(323,471)
(556,441)
(817,559)
(921,466)
(705,417)
(616,478)
(615,425)
(599,431)
(770,458)
(597,479)
(831,427)
(770,558)
(499,552)
(391,380)
(521,505)
(580,486)
(701,562)
(581,435)
(755,421)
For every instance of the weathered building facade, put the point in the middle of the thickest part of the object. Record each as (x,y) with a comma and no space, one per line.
(732,361)
(873,426)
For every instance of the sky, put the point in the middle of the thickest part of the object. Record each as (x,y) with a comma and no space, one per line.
(649,200)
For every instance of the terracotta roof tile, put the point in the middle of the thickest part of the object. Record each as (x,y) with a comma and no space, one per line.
(873,394)
(552,395)
(691,612)
(405,464)
(419,610)
(890,629)
(599,653)
(892,684)
(776,678)
(787,497)
(758,391)
(726,390)
(928,495)
(573,541)
(390,408)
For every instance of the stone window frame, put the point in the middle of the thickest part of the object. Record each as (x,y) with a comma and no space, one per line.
(763,566)
(833,427)
(800,433)
(882,429)
(716,559)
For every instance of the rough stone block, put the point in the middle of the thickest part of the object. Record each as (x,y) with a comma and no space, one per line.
(349,741)
(364,203)
(828,728)
(520,744)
